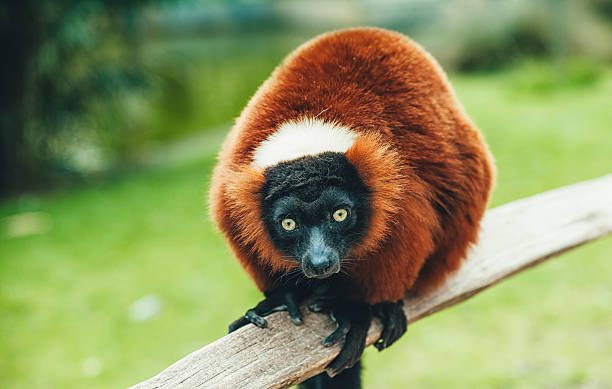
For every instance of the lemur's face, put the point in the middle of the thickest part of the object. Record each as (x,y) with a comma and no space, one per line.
(317,233)
(316,219)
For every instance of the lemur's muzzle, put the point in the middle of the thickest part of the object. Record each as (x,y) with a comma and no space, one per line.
(320,260)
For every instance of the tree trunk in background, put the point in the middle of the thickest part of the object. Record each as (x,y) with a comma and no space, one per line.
(19,39)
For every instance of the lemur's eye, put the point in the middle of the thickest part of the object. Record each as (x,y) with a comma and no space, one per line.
(340,215)
(288,224)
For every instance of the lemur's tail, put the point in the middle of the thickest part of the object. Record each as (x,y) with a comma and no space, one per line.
(347,379)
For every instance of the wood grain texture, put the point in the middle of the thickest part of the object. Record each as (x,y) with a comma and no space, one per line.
(514,237)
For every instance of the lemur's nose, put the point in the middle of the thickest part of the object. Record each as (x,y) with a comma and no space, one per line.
(320,263)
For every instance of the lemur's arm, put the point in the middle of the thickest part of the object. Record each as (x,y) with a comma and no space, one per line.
(282,298)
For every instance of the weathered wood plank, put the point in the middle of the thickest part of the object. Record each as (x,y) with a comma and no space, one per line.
(514,237)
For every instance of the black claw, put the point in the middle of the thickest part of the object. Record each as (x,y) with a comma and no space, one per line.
(254,318)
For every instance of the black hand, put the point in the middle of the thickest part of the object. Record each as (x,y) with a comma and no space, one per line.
(394,323)
(353,321)
(277,300)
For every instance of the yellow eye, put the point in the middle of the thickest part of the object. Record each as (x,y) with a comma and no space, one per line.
(340,214)
(288,224)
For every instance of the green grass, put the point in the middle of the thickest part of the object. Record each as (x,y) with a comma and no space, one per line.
(64,295)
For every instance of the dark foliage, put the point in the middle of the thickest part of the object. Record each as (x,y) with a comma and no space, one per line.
(488,52)
(61,59)
(602,8)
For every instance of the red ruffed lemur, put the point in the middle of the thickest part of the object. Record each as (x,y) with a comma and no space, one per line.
(352,176)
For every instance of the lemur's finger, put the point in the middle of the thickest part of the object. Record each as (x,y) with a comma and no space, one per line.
(293,309)
(387,335)
(255,318)
(389,326)
(344,326)
(237,324)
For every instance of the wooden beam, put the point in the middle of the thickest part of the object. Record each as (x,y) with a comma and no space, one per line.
(514,237)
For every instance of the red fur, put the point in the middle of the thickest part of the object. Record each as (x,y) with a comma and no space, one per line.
(417,151)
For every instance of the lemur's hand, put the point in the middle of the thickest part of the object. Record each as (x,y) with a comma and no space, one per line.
(353,320)
(281,299)
(393,320)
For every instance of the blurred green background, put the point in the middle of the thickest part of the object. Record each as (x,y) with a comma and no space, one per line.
(111,116)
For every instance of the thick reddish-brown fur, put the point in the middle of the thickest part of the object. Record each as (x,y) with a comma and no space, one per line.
(425,162)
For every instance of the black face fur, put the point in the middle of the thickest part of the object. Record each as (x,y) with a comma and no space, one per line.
(308,191)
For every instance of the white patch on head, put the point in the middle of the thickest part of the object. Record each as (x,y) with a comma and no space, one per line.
(296,139)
